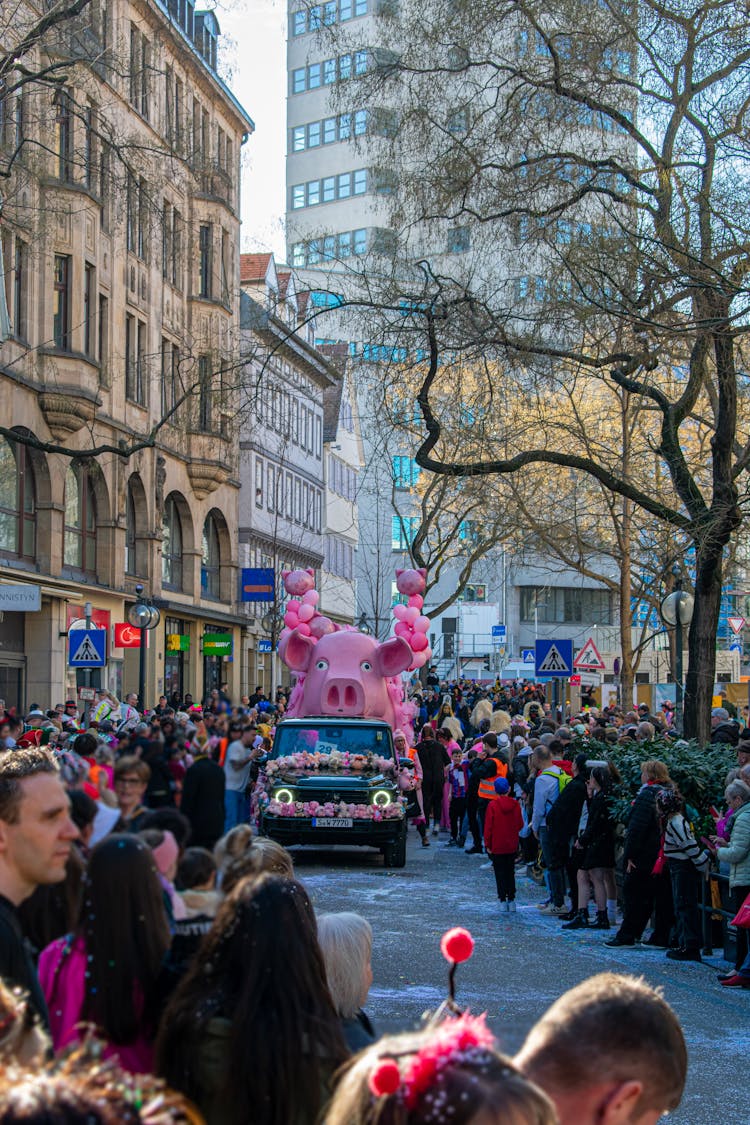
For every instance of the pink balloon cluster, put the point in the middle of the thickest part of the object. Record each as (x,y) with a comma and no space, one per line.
(301,612)
(411,623)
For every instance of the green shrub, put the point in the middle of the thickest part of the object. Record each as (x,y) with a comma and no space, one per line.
(699,772)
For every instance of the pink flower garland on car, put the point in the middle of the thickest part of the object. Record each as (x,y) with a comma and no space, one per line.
(336,760)
(394,811)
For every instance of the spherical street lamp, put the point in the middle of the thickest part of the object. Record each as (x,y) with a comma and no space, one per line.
(143,616)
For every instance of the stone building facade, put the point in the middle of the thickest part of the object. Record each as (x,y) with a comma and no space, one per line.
(120,238)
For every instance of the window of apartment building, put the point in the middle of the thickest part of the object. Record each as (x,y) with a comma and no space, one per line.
(405,471)
(13,120)
(270,486)
(565,605)
(135,359)
(136,218)
(403,531)
(226,270)
(210,559)
(171,244)
(205,240)
(259,482)
(19,288)
(89,310)
(297,500)
(205,404)
(104,184)
(17,500)
(170,389)
(90,160)
(79,543)
(173,94)
(130,532)
(140,78)
(61,302)
(329,189)
(102,350)
(171,546)
(63,102)
(326,15)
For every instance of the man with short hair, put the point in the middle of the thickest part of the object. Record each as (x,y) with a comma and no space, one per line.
(36,835)
(237,775)
(724,731)
(129,709)
(547,788)
(609,1052)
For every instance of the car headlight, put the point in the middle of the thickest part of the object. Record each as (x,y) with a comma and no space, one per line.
(381,798)
(283,796)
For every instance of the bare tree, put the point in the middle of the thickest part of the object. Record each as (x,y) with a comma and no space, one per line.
(597,156)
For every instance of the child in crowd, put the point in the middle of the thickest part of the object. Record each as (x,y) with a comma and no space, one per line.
(502,824)
(687,862)
(457,774)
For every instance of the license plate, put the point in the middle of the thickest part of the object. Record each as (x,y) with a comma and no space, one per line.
(332,822)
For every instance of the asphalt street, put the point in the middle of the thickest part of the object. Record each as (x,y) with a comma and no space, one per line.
(521,963)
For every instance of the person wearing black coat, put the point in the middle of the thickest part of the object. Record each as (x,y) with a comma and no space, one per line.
(433,758)
(563,819)
(643,888)
(203,801)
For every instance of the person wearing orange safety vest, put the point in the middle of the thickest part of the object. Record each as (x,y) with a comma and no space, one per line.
(493,768)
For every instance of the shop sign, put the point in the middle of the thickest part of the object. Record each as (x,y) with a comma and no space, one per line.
(88,694)
(127,635)
(20,598)
(217,644)
(100,618)
(178,642)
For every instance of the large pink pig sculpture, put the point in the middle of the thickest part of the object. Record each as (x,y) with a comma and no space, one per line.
(346,673)
(343,672)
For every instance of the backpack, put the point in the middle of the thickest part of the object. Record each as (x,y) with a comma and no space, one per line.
(562,779)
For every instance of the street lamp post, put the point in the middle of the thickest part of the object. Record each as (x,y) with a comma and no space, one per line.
(144,616)
(677,611)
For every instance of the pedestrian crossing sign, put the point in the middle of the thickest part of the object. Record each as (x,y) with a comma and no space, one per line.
(554,657)
(87,648)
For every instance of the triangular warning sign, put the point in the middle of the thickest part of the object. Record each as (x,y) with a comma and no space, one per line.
(87,652)
(589,657)
(554,661)
(736,624)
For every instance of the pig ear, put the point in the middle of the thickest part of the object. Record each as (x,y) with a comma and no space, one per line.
(399,573)
(423,571)
(310,571)
(394,656)
(297,651)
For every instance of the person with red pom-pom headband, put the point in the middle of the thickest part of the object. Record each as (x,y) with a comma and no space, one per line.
(449,1072)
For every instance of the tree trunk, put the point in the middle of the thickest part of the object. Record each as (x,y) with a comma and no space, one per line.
(701,673)
(627,674)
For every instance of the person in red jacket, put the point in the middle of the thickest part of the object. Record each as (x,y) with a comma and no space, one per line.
(502,824)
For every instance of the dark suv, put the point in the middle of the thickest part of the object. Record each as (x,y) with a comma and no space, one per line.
(333,781)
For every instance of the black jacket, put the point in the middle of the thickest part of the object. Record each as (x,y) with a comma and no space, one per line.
(564,816)
(16,966)
(203,802)
(726,734)
(598,837)
(643,835)
(433,758)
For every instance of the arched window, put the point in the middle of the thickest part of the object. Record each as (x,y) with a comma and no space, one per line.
(171,546)
(17,501)
(80,521)
(211,560)
(130,532)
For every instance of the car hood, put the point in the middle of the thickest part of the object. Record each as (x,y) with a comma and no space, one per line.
(317,779)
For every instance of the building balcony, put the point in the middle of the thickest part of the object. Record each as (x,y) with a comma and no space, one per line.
(210,461)
(69,395)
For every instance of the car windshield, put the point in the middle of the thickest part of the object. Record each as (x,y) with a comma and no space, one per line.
(323,739)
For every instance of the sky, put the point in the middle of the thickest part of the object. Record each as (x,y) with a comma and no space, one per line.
(253,63)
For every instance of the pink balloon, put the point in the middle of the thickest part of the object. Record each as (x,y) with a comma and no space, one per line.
(421,625)
(417,600)
(304,629)
(312,597)
(306,612)
(400,611)
(293,606)
(411,613)
(418,642)
(402,629)
(420,658)
(428,653)
(319,626)
(291,619)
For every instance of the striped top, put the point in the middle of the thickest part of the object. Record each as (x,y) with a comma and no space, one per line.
(680,843)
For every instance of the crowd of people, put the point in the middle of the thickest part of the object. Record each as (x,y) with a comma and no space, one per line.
(148,935)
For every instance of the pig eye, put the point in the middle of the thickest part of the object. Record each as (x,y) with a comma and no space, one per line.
(322,665)
(366,666)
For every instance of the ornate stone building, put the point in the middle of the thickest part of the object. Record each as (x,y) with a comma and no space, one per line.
(120,238)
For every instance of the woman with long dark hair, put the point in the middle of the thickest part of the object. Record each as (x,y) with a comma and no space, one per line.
(251,1033)
(105,973)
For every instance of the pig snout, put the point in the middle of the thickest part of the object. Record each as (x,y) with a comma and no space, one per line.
(343,697)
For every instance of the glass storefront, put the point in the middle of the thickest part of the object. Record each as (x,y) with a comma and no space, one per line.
(176,658)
